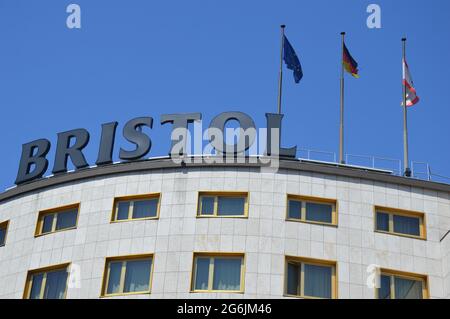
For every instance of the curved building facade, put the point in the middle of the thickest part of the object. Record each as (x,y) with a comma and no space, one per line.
(154,229)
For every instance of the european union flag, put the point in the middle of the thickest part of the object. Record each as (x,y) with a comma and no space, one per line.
(291,60)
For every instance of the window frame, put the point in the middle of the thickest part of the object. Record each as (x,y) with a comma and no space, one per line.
(405,275)
(400,212)
(55,211)
(216,196)
(313,200)
(4,225)
(212,256)
(45,271)
(124,260)
(132,199)
(301,261)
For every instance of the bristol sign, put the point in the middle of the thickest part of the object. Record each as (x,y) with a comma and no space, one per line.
(70,144)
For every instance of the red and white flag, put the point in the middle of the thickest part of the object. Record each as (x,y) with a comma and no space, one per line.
(411,95)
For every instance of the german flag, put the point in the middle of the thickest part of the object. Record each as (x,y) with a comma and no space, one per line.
(350,65)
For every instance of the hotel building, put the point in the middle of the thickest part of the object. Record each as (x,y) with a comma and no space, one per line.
(155,229)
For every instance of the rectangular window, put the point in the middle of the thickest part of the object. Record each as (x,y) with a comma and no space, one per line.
(218,273)
(136,207)
(223,204)
(47,283)
(127,275)
(398,285)
(312,210)
(3,232)
(400,222)
(57,219)
(309,278)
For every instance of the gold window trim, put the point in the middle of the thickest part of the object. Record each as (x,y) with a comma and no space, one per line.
(400,212)
(132,199)
(314,200)
(216,195)
(55,211)
(406,275)
(4,225)
(301,261)
(212,256)
(124,259)
(45,271)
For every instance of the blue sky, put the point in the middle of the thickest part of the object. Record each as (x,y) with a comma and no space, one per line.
(147,58)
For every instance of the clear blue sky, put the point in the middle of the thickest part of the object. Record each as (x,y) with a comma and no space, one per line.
(147,58)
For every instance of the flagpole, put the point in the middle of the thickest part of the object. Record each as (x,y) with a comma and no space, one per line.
(341,126)
(407,172)
(280,75)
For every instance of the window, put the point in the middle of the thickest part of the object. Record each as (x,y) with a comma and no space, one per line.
(218,273)
(47,283)
(3,232)
(127,275)
(310,278)
(136,207)
(398,285)
(400,222)
(312,210)
(57,219)
(223,204)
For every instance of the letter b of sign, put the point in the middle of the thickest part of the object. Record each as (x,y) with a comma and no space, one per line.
(74,19)
(374,19)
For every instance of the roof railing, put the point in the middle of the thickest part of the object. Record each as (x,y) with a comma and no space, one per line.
(419,170)
(392,164)
(313,155)
(416,172)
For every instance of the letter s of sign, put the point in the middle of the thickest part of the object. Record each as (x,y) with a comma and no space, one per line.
(33,155)
(132,132)
(374,19)
(73,21)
